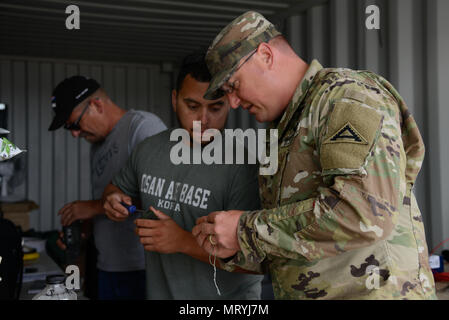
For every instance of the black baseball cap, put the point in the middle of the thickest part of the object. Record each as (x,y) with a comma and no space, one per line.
(67,95)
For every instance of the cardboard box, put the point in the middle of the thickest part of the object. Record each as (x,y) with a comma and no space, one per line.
(19,212)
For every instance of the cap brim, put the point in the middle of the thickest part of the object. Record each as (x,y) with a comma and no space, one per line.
(214,92)
(58,121)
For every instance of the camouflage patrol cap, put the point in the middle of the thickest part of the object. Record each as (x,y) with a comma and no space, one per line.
(234,42)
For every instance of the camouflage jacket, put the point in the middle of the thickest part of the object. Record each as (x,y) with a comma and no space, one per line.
(340,220)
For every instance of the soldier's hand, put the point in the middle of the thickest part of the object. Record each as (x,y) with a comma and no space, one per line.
(217,232)
(163,235)
(114,210)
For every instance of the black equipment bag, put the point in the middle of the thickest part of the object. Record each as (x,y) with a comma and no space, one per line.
(11,264)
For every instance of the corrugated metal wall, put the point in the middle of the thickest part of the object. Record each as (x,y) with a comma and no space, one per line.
(411,50)
(58,169)
(57,165)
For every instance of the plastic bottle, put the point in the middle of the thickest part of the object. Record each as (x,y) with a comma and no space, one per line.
(56,289)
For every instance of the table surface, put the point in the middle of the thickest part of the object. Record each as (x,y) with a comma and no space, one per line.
(45,266)
(442,288)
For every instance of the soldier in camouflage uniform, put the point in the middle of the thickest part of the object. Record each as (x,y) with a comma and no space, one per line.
(340,219)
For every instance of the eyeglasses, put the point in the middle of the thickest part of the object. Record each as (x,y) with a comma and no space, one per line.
(76,125)
(230,87)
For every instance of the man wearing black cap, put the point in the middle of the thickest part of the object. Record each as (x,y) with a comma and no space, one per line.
(84,108)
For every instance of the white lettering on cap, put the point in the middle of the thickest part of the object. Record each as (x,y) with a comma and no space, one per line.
(53,103)
(83,92)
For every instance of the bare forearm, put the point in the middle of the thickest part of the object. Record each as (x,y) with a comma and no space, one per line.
(95,207)
(110,188)
(80,210)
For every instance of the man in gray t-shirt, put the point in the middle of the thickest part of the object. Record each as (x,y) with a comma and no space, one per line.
(85,109)
(177,268)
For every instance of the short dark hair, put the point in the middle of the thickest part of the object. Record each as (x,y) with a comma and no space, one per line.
(195,65)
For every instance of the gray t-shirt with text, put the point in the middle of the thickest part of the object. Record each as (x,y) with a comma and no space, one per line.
(119,248)
(186,192)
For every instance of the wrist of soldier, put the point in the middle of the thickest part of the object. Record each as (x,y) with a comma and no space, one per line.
(247,235)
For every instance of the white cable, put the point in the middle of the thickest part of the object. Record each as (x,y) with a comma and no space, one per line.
(215,270)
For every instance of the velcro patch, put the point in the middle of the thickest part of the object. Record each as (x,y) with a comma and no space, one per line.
(351,132)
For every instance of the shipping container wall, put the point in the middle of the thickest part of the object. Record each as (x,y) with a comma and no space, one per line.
(56,168)
(411,50)
(57,165)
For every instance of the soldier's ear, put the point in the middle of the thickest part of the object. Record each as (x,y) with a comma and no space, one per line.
(265,53)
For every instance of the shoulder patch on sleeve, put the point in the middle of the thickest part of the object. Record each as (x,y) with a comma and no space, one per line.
(350,135)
